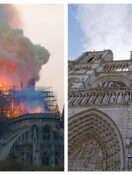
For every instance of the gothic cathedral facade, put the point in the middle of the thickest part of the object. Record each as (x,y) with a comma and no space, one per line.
(100,113)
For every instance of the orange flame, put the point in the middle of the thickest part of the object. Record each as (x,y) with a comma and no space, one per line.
(13,64)
(37,110)
(15,110)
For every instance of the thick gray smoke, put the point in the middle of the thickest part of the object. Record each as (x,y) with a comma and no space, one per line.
(20,59)
(9,14)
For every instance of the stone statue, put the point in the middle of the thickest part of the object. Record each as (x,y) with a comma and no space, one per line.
(112,98)
(119,98)
(126,98)
(84,99)
(106,84)
(105,99)
(71,100)
(91,100)
(87,100)
(98,99)
(77,100)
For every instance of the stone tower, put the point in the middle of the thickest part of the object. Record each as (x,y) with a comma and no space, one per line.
(100,113)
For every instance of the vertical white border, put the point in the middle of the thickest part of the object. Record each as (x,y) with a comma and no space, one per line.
(66,85)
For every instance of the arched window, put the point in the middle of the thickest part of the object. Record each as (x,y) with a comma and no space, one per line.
(58,148)
(35,133)
(56,158)
(111,84)
(45,159)
(46,135)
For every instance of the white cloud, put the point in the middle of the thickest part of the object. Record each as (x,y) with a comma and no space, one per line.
(106,27)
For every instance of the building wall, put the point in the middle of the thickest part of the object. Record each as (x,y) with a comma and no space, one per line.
(103,86)
(35,138)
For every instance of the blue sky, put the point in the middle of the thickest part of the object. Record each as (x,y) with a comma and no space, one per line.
(98,27)
(75,34)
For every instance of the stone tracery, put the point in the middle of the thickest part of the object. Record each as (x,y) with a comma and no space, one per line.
(90,136)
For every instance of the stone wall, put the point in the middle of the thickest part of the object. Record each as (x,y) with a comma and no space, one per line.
(102,85)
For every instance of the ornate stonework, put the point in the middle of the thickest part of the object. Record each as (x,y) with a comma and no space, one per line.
(100,113)
(37,139)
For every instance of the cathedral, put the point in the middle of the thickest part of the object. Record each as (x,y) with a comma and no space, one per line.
(99,113)
(37,139)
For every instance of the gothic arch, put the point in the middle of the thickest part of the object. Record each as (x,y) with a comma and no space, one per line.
(46,134)
(119,78)
(95,142)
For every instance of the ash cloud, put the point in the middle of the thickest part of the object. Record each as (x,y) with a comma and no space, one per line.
(106,27)
(20,59)
(9,14)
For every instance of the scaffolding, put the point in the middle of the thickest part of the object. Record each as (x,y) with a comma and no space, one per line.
(16,101)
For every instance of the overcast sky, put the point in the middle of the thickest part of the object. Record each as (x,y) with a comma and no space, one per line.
(99,27)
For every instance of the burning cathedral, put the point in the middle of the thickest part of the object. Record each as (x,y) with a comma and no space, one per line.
(100,113)
(31,125)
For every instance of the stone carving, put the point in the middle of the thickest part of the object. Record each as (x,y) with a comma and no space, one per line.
(111,84)
(105,99)
(100,98)
(77,100)
(116,67)
(119,98)
(84,99)
(94,142)
(91,156)
(91,100)
(112,98)
(126,99)
(99,144)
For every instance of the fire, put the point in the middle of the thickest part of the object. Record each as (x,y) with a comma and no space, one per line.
(16,102)
(13,64)
(37,110)
(16,110)
(5,85)
(20,59)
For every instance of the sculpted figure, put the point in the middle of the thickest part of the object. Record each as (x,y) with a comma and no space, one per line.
(112,98)
(81,98)
(106,84)
(126,98)
(98,99)
(71,100)
(84,99)
(119,99)
(100,84)
(105,99)
(77,100)
(110,84)
(87,100)
(91,100)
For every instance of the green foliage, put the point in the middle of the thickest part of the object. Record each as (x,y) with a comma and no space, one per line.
(15,164)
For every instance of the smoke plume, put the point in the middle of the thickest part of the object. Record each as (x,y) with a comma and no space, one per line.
(20,59)
(9,14)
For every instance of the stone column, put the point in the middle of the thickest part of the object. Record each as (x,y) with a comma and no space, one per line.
(52,158)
